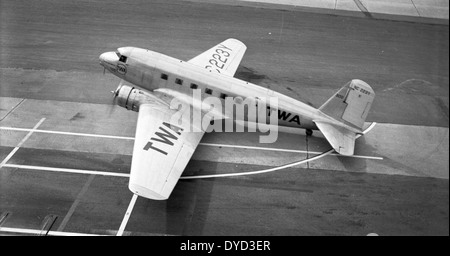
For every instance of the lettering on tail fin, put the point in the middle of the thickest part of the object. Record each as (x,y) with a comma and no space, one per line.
(351,104)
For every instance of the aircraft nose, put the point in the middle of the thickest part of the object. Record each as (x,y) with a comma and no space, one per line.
(108,57)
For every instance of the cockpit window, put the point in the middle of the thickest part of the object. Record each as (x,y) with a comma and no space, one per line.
(118,54)
(123,59)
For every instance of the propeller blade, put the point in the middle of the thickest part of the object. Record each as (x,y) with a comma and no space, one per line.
(114,103)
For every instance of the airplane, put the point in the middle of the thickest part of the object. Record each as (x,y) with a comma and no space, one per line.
(162,149)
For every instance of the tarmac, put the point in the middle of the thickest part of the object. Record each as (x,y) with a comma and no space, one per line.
(65,150)
(437,9)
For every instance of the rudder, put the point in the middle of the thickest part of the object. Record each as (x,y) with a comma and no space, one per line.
(351,104)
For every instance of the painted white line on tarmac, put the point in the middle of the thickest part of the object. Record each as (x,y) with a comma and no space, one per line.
(253,147)
(134,197)
(67,170)
(325,153)
(260,171)
(285,150)
(127,215)
(38,232)
(183,177)
(126,175)
(21,143)
(67,133)
(200,144)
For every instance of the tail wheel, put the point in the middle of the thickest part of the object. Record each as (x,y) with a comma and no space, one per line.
(309,132)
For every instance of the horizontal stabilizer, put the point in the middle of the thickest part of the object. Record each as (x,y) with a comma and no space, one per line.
(340,138)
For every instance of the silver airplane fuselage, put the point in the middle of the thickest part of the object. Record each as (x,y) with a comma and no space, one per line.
(152,71)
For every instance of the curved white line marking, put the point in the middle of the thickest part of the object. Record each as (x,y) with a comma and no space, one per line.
(325,153)
(367,130)
(261,171)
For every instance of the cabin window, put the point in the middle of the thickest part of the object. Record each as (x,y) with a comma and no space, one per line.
(123,59)
(194,86)
(208,91)
(179,81)
(223,95)
(164,76)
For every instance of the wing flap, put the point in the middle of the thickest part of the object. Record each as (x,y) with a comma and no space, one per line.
(174,175)
(340,138)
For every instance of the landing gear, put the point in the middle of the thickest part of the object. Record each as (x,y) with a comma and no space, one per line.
(309,132)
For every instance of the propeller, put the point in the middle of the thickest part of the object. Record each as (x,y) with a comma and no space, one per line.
(114,99)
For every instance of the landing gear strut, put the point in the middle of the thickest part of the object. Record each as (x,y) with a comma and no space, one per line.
(309,132)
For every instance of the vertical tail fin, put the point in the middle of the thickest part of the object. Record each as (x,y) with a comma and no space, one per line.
(351,104)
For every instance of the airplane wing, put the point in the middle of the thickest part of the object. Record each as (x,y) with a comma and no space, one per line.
(341,139)
(161,151)
(223,58)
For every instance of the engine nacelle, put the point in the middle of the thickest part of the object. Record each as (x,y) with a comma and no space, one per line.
(131,98)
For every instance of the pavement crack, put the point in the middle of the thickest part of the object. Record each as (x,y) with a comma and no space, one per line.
(363,8)
(75,203)
(12,109)
(415,7)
